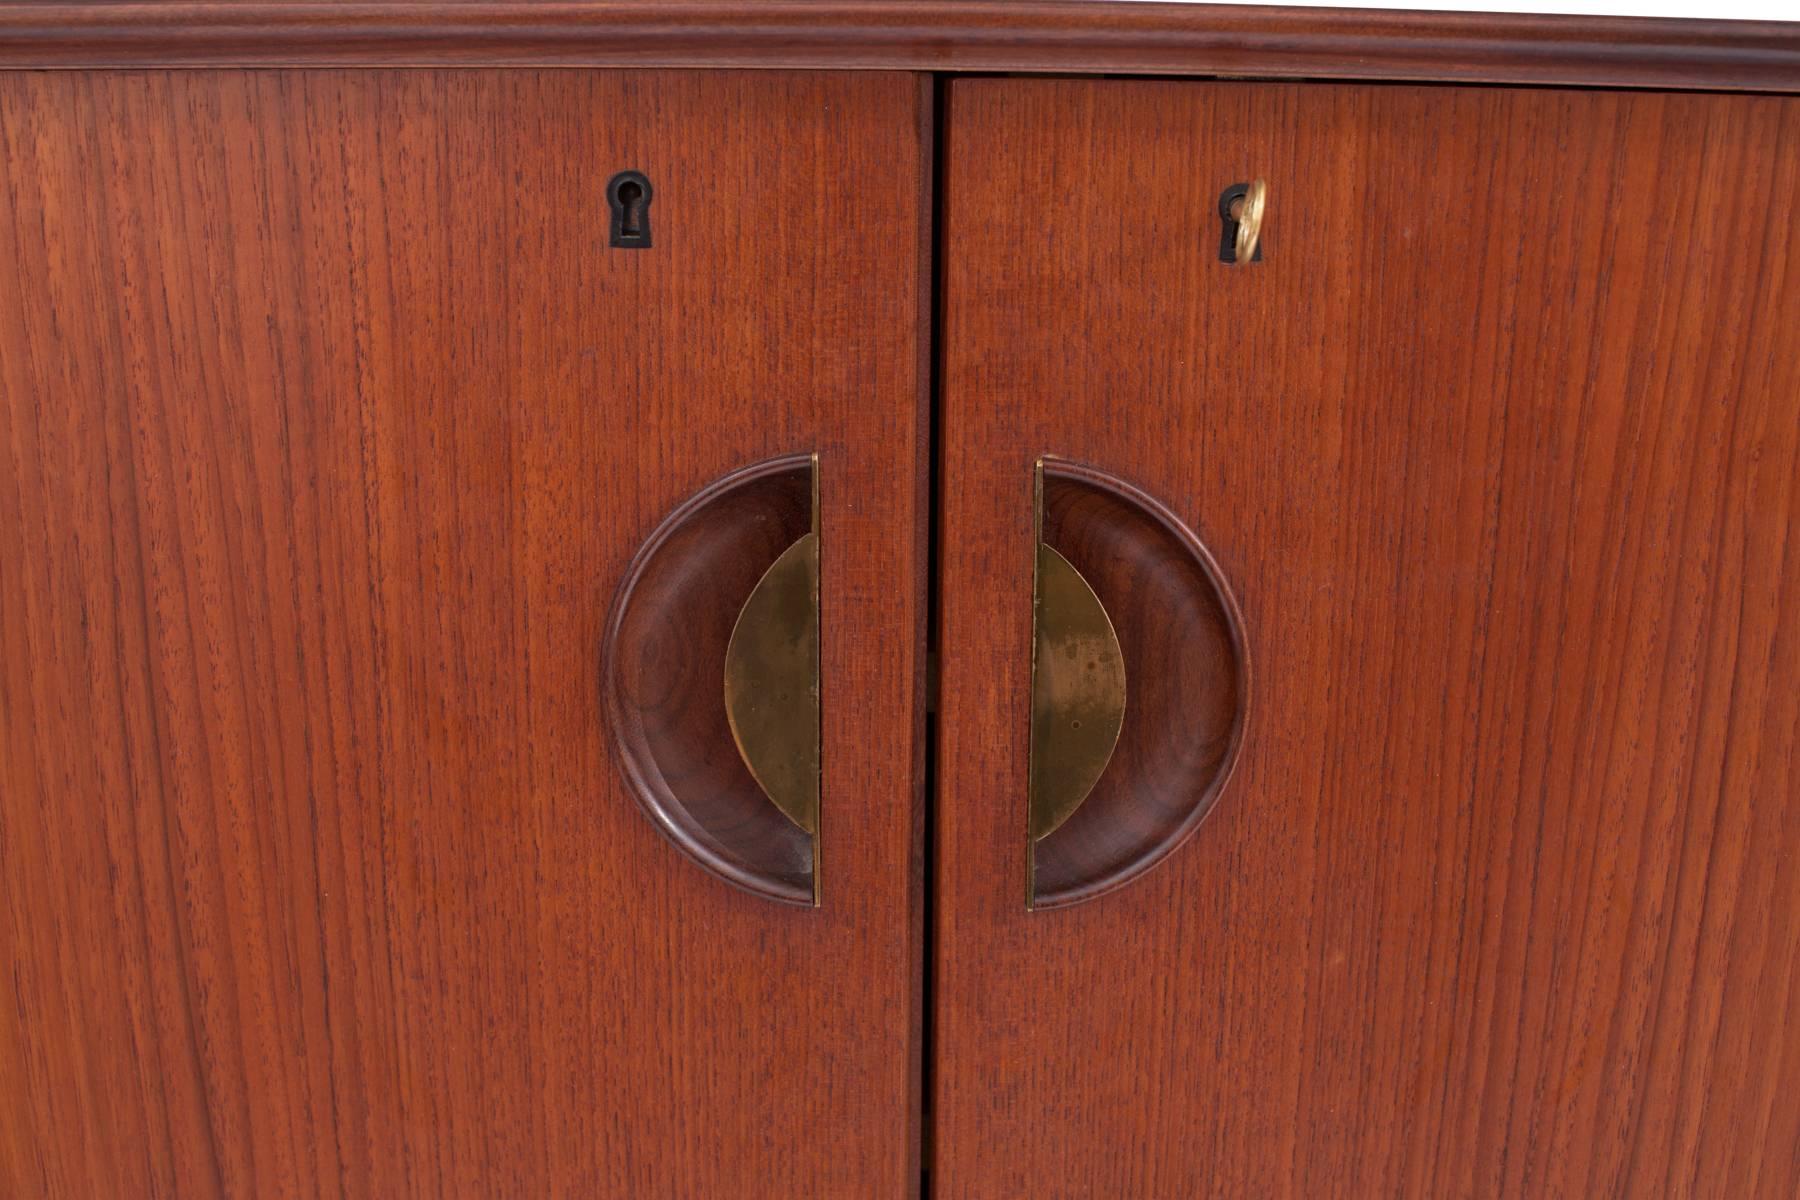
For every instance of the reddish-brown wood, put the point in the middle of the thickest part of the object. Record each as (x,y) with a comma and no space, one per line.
(1497,449)
(934,35)
(328,426)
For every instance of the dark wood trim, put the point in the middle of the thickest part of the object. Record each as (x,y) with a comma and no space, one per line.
(934,35)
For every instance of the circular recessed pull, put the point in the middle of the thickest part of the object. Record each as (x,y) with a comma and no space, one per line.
(1125,592)
(1249,215)
(725,591)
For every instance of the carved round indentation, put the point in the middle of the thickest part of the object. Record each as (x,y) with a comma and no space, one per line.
(663,666)
(1188,676)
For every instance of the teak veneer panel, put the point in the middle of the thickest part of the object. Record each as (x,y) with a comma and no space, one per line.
(328,425)
(1497,449)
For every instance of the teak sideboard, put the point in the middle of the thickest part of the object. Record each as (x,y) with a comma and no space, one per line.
(874,600)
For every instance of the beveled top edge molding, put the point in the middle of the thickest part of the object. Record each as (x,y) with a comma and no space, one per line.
(1048,36)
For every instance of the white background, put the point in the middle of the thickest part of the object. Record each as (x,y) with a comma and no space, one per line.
(1759,10)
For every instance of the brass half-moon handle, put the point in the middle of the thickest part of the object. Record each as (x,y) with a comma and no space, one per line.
(1077,691)
(772,683)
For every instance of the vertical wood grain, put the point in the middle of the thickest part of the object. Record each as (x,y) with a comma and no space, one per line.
(327,425)
(1498,449)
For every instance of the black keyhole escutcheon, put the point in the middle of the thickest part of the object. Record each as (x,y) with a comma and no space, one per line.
(1229,201)
(629,193)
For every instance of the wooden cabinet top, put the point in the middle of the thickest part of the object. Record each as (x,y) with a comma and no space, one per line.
(935,35)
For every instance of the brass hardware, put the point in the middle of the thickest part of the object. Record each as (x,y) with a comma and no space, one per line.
(772,680)
(1248,213)
(1077,688)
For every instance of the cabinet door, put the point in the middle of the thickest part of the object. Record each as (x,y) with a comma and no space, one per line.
(1447,847)
(330,424)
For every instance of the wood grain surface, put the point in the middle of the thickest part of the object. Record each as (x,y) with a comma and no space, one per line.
(1080,36)
(1497,448)
(328,424)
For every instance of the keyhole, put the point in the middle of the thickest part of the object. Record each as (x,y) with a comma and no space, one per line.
(629,193)
(1231,207)
(631,200)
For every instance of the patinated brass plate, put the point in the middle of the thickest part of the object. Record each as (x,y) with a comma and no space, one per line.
(772,683)
(1077,692)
